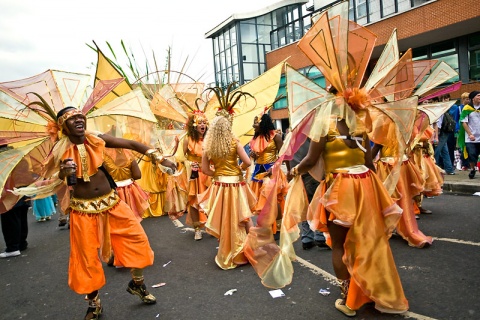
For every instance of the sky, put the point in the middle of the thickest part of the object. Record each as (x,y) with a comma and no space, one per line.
(37,35)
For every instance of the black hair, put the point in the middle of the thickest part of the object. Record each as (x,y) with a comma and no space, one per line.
(264,127)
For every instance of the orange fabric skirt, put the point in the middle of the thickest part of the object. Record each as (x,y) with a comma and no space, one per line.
(228,206)
(361,203)
(118,226)
(196,187)
(135,197)
(409,184)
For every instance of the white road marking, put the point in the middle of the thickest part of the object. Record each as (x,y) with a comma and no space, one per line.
(333,280)
(457,241)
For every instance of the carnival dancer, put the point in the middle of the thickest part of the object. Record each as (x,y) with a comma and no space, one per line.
(99,219)
(198,182)
(123,168)
(422,155)
(350,203)
(264,146)
(43,209)
(229,201)
(410,184)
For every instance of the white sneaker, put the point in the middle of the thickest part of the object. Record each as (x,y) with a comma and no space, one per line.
(9,254)
(177,223)
(198,235)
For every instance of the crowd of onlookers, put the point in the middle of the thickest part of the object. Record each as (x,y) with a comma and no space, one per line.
(457,134)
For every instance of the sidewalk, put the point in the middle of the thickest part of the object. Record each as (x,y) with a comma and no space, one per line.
(461,183)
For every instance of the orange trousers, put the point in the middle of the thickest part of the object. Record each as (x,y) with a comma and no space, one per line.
(117,226)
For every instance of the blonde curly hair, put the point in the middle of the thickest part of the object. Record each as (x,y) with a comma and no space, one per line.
(218,139)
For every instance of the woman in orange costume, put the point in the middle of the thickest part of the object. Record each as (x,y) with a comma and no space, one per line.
(265,145)
(229,201)
(410,184)
(198,182)
(123,168)
(354,208)
(422,155)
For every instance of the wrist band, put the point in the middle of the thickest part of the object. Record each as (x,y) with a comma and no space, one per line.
(155,156)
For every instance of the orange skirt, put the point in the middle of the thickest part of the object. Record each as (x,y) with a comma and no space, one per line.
(196,187)
(409,184)
(135,197)
(88,231)
(228,206)
(361,203)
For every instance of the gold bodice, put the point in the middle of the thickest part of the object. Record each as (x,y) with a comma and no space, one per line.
(118,172)
(268,155)
(338,155)
(228,165)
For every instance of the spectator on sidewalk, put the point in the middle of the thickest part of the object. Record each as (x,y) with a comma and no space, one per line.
(444,128)
(464,100)
(469,137)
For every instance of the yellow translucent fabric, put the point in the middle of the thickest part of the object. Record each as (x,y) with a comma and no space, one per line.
(118,167)
(154,182)
(410,184)
(363,202)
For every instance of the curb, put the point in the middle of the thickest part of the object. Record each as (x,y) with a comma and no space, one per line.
(463,188)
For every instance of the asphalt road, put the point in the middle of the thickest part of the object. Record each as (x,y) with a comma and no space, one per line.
(440,282)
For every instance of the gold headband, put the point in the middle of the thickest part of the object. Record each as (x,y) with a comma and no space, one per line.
(61,120)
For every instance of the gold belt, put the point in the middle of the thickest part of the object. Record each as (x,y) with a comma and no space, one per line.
(95,205)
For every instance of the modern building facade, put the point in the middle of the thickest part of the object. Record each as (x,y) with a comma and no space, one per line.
(446,30)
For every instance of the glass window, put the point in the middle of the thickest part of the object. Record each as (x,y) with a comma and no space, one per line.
(281,37)
(228,56)
(307,21)
(227,39)
(297,32)
(474,40)
(217,63)
(443,48)
(275,39)
(361,8)
(250,71)
(280,16)
(474,64)
(248,33)
(222,60)
(235,74)
(234,55)
(420,53)
(263,33)
(215,45)
(221,43)
(265,19)
(295,13)
(289,34)
(388,7)
(250,53)
(233,36)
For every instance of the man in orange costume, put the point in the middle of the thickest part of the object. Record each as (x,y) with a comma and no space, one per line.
(99,220)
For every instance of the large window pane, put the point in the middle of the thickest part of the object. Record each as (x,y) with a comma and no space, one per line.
(248,33)
(222,60)
(443,48)
(388,7)
(263,33)
(250,53)
(474,64)
(228,56)
(227,39)
(250,71)
(215,45)
(233,36)
(234,55)
(265,19)
(221,43)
